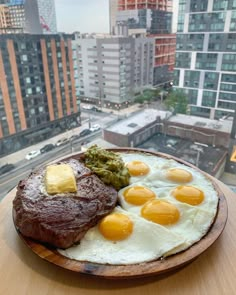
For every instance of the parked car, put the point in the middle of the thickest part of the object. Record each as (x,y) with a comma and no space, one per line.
(47,148)
(87,107)
(32,155)
(85,132)
(6,168)
(96,109)
(95,127)
(75,137)
(62,141)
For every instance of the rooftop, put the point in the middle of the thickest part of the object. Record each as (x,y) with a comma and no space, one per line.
(224,126)
(188,151)
(138,121)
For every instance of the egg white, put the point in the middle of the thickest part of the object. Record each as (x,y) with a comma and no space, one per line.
(192,225)
(210,202)
(150,241)
(144,244)
(158,169)
(151,161)
(158,177)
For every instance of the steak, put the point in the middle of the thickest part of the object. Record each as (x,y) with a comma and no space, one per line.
(61,220)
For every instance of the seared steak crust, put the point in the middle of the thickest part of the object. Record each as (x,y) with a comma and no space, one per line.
(61,220)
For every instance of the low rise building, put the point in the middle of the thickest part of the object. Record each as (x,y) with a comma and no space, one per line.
(204,143)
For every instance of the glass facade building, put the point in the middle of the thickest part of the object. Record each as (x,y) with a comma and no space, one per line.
(205,66)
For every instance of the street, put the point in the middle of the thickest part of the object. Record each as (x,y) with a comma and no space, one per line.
(23,167)
(88,118)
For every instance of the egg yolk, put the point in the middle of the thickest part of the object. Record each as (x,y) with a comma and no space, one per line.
(137,168)
(188,194)
(179,175)
(160,212)
(116,227)
(138,195)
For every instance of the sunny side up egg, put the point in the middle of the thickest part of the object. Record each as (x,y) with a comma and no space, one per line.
(167,207)
(124,238)
(159,172)
(189,222)
(140,165)
(202,197)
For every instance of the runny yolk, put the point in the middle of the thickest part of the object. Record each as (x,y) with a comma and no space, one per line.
(138,195)
(179,175)
(137,168)
(188,194)
(160,212)
(116,227)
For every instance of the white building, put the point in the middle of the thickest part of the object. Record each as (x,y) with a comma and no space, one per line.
(112,69)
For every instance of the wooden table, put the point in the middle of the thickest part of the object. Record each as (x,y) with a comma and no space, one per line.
(23,272)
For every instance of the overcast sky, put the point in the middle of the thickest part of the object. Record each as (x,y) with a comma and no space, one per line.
(85,16)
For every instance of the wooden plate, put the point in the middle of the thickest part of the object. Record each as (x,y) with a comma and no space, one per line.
(156,267)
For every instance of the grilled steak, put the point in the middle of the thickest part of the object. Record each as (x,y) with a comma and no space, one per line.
(61,220)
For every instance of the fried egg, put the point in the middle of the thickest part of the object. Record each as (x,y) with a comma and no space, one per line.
(167,207)
(138,194)
(172,173)
(124,238)
(140,165)
(159,172)
(185,210)
(190,222)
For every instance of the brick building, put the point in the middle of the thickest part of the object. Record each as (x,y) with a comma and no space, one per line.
(37,89)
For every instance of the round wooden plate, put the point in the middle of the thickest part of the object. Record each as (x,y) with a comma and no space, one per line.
(156,267)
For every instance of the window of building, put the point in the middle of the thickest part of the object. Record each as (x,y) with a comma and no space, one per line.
(191,78)
(29,91)
(228,78)
(27,80)
(226,105)
(24,57)
(227,96)
(208,98)
(220,4)
(233,21)
(211,80)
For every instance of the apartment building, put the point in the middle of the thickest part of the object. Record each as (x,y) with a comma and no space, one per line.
(112,69)
(37,89)
(206,56)
(153,18)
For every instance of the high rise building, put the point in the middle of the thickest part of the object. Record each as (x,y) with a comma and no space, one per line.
(112,69)
(154,18)
(28,16)
(37,89)
(112,12)
(206,56)
(165,5)
(47,16)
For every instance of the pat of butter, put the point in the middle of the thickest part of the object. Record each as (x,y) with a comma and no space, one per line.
(60,179)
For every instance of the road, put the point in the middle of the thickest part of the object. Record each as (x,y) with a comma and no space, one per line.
(24,167)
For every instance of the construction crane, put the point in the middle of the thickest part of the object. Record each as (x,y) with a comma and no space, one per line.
(44,24)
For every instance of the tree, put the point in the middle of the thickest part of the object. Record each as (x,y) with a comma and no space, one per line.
(177,100)
(147,95)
